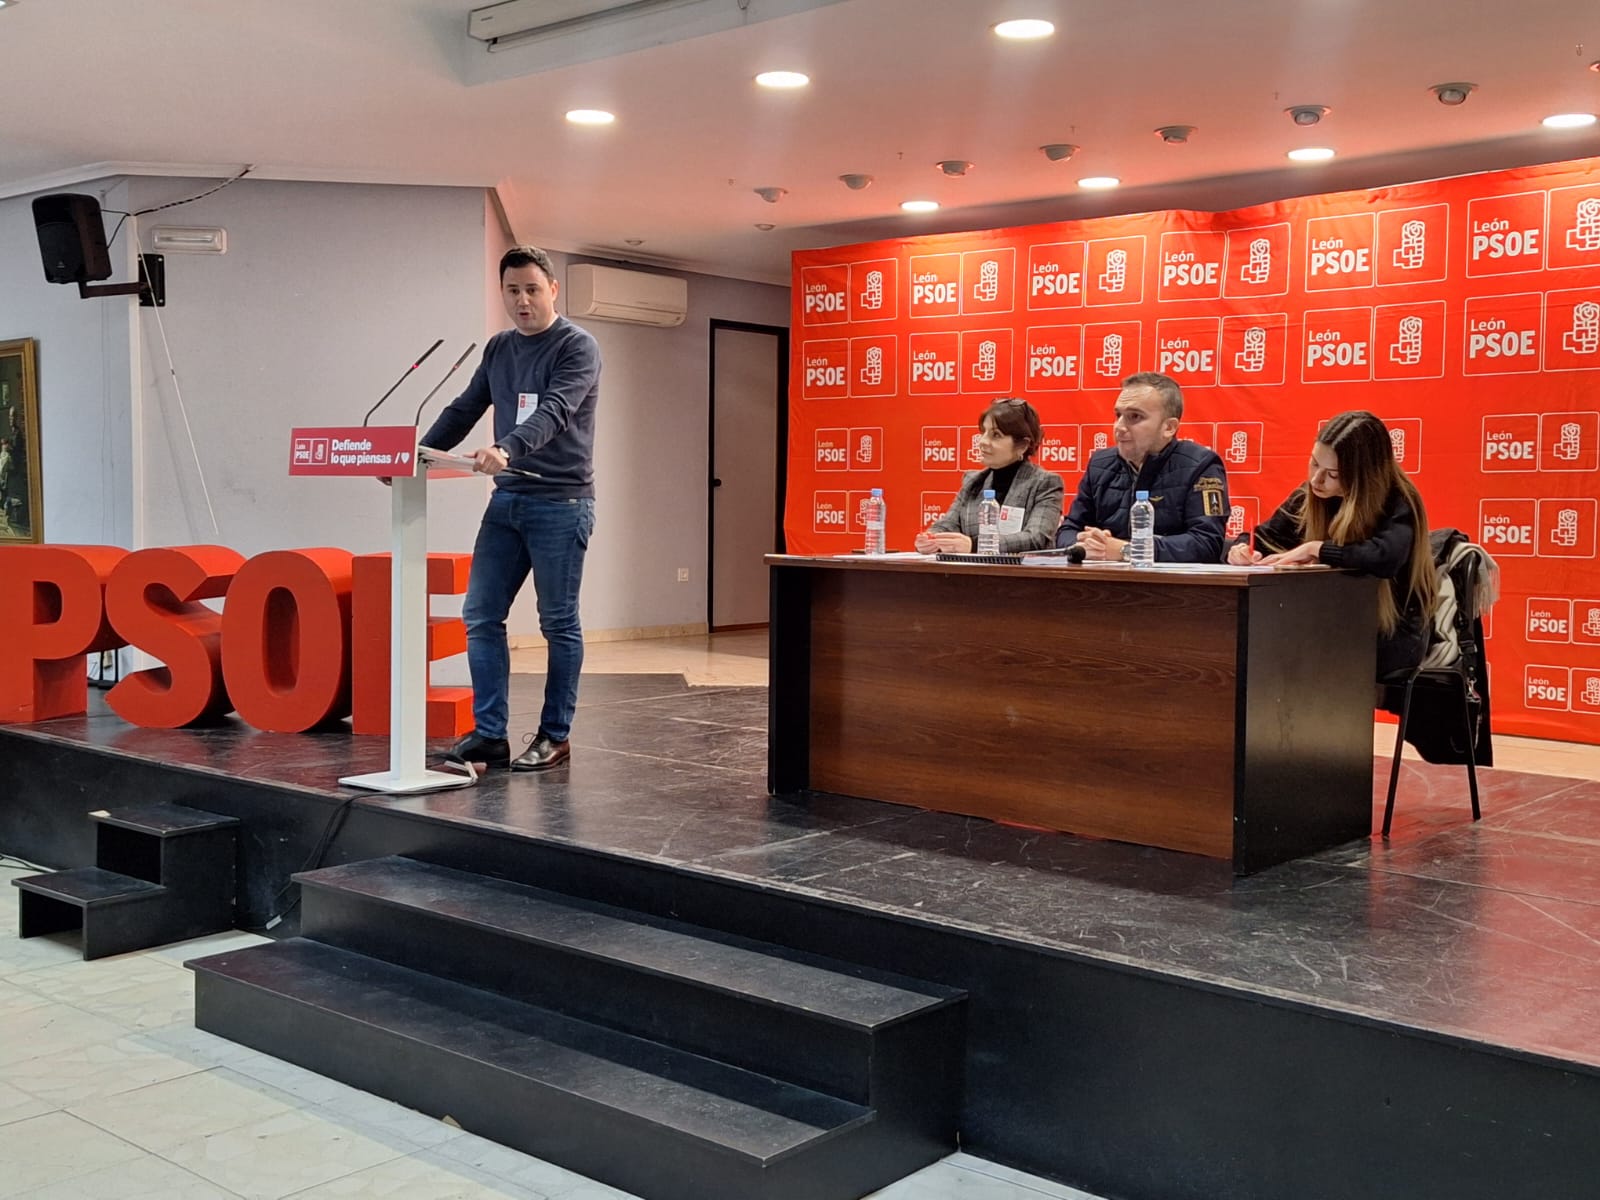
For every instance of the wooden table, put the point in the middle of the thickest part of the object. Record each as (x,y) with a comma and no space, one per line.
(1223,714)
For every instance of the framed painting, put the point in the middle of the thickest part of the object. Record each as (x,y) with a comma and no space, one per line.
(21,502)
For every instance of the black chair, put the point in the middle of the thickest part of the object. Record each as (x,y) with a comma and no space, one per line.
(1444,703)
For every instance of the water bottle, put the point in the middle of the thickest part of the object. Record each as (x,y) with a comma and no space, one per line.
(876,514)
(1142,538)
(989,523)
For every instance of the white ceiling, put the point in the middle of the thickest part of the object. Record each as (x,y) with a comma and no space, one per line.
(382,90)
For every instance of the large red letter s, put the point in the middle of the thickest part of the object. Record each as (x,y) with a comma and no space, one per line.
(152,601)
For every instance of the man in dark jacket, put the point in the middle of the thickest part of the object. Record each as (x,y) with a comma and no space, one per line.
(1187,483)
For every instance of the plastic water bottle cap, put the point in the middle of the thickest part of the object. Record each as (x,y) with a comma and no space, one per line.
(877,491)
(988,493)
(1141,495)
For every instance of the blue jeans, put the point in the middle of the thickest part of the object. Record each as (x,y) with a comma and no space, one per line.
(522,532)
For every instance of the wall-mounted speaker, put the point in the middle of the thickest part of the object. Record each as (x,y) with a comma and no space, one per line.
(72,238)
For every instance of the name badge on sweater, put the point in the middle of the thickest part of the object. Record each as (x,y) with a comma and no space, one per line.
(527,405)
(1010,519)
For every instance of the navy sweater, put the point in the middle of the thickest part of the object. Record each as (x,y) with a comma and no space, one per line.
(561,366)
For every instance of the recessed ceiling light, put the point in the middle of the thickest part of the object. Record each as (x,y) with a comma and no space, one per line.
(1100,183)
(782,79)
(1568,121)
(1311,154)
(590,116)
(919,206)
(1024,30)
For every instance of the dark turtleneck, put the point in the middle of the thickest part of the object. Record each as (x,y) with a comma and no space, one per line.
(1000,480)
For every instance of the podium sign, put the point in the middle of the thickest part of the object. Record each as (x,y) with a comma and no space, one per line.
(390,451)
(375,450)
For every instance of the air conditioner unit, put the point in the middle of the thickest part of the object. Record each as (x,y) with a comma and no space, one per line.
(612,294)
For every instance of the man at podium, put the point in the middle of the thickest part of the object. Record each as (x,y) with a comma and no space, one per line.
(542,381)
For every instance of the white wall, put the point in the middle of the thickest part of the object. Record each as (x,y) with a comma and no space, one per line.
(651,456)
(326,293)
(86,366)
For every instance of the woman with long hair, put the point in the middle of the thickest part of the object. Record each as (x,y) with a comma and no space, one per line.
(1358,510)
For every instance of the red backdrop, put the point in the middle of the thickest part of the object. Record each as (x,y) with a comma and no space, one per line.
(1465,312)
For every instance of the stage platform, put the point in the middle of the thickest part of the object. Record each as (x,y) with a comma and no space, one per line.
(1419,1018)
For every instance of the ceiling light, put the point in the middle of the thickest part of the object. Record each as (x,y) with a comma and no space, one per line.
(1452,94)
(1568,121)
(855,181)
(1100,183)
(954,166)
(1307,114)
(1175,135)
(919,206)
(590,116)
(772,194)
(765,226)
(782,79)
(1311,154)
(1024,31)
(1595,65)
(633,241)
(1058,151)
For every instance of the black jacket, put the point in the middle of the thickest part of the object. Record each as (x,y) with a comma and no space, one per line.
(1386,554)
(1188,486)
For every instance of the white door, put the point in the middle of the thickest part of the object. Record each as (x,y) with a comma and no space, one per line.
(746,370)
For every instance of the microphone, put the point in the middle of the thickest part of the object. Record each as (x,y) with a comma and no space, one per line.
(416,419)
(1076,553)
(403,377)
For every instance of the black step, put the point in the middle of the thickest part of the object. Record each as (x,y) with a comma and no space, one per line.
(114,911)
(163,820)
(89,887)
(656,1121)
(822,1024)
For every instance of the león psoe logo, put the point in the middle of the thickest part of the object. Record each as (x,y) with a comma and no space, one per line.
(1258,269)
(1235,520)
(1110,360)
(1254,355)
(1566,531)
(1238,446)
(1569,445)
(1591,622)
(864,448)
(872,369)
(1407,351)
(872,298)
(987,289)
(1413,247)
(1397,444)
(1584,336)
(984,368)
(1115,276)
(1591,691)
(1585,233)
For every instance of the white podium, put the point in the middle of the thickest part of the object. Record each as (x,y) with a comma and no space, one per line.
(391,451)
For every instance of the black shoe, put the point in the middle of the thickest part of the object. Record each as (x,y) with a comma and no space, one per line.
(491,752)
(542,754)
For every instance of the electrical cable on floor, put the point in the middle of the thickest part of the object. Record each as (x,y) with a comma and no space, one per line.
(10,862)
(313,860)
